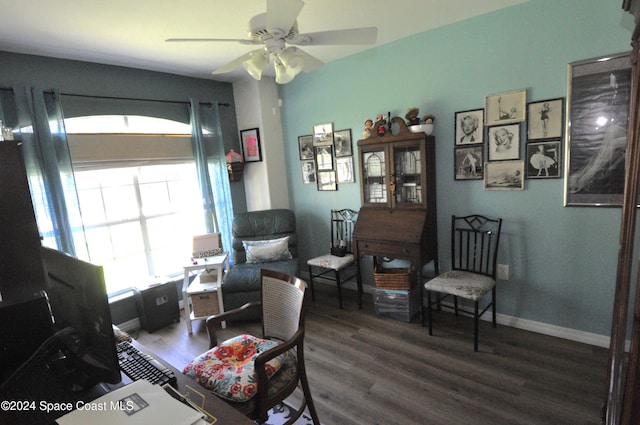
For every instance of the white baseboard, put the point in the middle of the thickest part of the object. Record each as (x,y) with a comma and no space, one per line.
(505,320)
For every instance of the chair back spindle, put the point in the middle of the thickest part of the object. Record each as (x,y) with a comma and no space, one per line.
(342,225)
(475,244)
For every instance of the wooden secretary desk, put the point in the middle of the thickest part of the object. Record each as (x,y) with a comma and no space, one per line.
(398,190)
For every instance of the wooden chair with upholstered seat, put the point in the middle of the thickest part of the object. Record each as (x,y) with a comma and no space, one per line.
(340,259)
(474,252)
(256,374)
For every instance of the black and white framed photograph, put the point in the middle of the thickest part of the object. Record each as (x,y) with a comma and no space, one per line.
(506,107)
(503,142)
(305,144)
(323,134)
(344,169)
(504,175)
(598,99)
(545,119)
(327,180)
(469,162)
(342,143)
(544,159)
(308,172)
(469,127)
(324,158)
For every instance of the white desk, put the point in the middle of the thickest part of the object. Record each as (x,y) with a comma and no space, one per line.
(219,263)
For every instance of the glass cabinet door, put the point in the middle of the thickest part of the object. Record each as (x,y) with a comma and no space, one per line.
(407,174)
(374,177)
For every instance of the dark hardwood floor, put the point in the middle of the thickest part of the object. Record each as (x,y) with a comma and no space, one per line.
(366,369)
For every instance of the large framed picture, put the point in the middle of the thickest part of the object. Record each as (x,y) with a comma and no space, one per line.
(469,127)
(598,99)
(506,107)
(344,168)
(323,134)
(545,119)
(544,159)
(342,143)
(324,158)
(308,172)
(327,180)
(469,162)
(503,142)
(305,144)
(250,140)
(504,175)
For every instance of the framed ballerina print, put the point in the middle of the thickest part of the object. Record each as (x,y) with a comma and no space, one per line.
(598,110)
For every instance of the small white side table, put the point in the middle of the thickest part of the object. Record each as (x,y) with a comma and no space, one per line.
(219,263)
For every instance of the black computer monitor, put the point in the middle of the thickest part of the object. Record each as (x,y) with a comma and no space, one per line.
(78,298)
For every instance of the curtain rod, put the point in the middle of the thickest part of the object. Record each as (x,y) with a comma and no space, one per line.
(138,99)
(128,98)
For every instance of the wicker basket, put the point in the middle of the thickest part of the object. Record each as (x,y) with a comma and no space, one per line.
(205,304)
(393,278)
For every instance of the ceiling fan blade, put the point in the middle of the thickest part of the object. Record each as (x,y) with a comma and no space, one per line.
(234,63)
(310,62)
(199,40)
(281,14)
(366,35)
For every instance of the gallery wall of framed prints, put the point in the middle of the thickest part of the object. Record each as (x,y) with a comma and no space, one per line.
(510,140)
(326,157)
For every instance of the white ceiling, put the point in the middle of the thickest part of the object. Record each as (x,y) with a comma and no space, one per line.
(132,33)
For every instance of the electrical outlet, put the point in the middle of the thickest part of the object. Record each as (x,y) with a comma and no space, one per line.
(502,272)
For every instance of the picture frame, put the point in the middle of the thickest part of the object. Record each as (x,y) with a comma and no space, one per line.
(469,127)
(305,146)
(250,142)
(308,169)
(545,119)
(503,142)
(504,175)
(598,112)
(323,134)
(469,162)
(506,107)
(327,180)
(544,159)
(324,157)
(342,143)
(344,169)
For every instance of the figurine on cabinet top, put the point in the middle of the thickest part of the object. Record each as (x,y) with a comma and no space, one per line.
(412,116)
(382,125)
(368,125)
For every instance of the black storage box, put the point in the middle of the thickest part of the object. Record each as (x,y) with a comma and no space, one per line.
(157,305)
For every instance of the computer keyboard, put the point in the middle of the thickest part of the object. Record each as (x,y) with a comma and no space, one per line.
(139,365)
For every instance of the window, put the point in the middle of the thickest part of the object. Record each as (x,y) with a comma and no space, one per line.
(139,210)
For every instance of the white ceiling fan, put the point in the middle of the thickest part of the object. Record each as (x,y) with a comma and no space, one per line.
(278,28)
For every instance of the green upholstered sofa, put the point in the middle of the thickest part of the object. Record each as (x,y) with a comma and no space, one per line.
(242,283)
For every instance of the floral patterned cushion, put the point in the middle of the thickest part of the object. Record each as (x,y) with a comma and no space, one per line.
(460,283)
(331,261)
(228,369)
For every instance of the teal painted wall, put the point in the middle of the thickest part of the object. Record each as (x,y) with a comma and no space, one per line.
(563,259)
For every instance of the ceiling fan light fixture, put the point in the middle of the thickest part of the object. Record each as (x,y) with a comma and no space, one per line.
(256,64)
(292,60)
(284,75)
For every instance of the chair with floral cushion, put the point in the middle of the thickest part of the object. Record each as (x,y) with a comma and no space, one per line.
(255,374)
(474,252)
